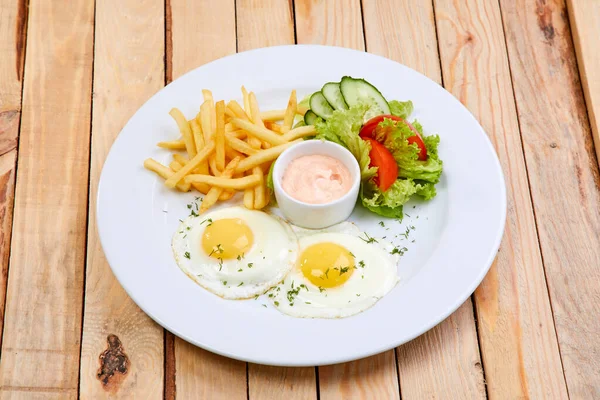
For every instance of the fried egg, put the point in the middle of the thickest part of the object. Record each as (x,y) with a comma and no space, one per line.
(340,272)
(234,252)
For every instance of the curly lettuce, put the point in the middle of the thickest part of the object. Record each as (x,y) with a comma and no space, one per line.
(343,128)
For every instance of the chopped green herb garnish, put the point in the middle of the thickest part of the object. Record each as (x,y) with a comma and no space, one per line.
(276,303)
(368,239)
(240,270)
(344,270)
(250,265)
(326,272)
(224,283)
(241,283)
(353,256)
(381,224)
(361,264)
(321,290)
(187,255)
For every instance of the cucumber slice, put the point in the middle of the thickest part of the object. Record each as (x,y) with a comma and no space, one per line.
(320,106)
(331,91)
(358,90)
(310,118)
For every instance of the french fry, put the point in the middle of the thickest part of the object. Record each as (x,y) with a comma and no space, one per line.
(300,132)
(180,159)
(225,183)
(208,96)
(266,145)
(231,153)
(172,145)
(212,163)
(255,110)
(259,190)
(176,166)
(220,135)
(226,195)
(199,140)
(240,145)
(290,112)
(239,134)
(206,151)
(229,113)
(259,132)
(229,127)
(273,126)
(205,121)
(164,172)
(272,115)
(247,103)
(239,112)
(186,132)
(249,198)
(263,156)
(215,192)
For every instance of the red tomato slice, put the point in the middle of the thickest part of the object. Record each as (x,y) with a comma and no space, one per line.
(368,131)
(387,169)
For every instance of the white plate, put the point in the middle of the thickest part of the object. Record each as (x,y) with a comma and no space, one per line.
(456,235)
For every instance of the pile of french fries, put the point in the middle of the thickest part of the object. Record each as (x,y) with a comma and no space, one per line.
(227,148)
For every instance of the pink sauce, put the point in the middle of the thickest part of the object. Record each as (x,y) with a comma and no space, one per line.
(316,179)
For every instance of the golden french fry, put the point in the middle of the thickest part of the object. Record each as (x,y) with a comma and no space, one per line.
(266,145)
(272,115)
(300,132)
(212,163)
(290,112)
(199,140)
(229,127)
(206,151)
(231,153)
(249,198)
(229,113)
(215,192)
(180,159)
(239,112)
(172,145)
(225,183)
(226,195)
(164,172)
(205,121)
(259,132)
(255,110)
(259,190)
(247,103)
(274,126)
(240,145)
(266,166)
(263,156)
(208,97)
(220,135)
(201,187)
(186,132)
(239,134)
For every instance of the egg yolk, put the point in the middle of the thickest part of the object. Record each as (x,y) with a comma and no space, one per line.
(327,265)
(227,238)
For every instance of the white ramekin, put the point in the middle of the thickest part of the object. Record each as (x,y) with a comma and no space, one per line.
(315,216)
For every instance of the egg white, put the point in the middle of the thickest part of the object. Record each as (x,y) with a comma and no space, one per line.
(362,290)
(271,257)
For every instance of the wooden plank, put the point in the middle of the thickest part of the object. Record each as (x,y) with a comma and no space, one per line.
(563,177)
(202,31)
(40,350)
(260,24)
(263,23)
(13,30)
(518,342)
(330,22)
(128,69)
(585,25)
(339,23)
(444,362)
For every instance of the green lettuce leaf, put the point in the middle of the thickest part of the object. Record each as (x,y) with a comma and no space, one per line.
(406,155)
(401,109)
(343,128)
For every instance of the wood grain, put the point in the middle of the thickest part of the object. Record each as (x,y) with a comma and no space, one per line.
(339,23)
(202,31)
(40,350)
(563,177)
(518,342)
(330,22)
(128,69)
(261,24)
(585,27)
(444,362)
(13,30)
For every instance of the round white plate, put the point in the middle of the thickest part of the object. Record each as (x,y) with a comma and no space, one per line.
(451,246)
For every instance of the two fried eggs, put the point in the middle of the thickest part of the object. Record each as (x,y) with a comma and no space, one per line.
(238,253)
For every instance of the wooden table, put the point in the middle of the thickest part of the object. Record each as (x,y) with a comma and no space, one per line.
(72,73)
